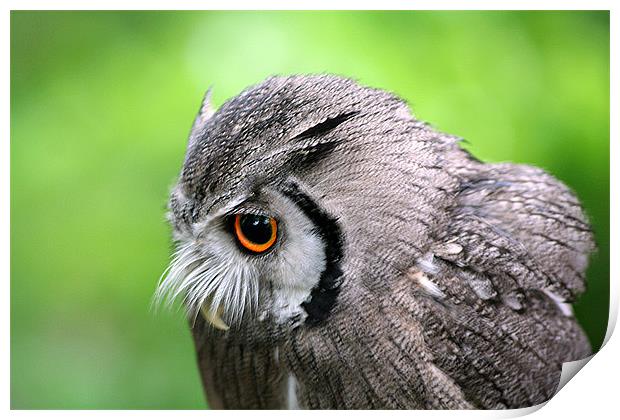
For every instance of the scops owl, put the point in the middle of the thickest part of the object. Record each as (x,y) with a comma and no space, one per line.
(332,251)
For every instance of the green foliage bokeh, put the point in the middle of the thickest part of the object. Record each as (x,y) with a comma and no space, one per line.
(101,105)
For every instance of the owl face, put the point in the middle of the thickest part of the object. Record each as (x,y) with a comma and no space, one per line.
(285,201)
(258,255)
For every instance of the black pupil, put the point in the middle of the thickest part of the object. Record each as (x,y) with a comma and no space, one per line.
(256,228)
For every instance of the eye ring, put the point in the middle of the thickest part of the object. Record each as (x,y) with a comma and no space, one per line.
(255,233)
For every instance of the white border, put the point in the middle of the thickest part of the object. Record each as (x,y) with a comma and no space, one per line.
(311,5)
(5,237)
(593,394)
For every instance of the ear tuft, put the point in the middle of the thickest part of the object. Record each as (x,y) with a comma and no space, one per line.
(204,114)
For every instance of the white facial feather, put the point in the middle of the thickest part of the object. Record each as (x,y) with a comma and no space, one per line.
(209,269)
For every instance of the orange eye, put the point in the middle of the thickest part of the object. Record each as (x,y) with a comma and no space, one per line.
(255,233)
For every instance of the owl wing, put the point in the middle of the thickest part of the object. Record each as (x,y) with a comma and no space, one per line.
(492,299)
(520,224)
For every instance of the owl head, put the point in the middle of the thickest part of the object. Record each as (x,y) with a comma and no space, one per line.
(300,197)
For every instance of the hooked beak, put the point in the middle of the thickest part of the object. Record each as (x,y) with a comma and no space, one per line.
(214,316)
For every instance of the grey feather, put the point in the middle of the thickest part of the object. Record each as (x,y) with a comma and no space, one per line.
(454,282)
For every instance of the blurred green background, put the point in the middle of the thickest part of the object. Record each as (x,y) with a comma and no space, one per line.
(101,105)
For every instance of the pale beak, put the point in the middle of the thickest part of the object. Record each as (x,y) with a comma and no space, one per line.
(214,317)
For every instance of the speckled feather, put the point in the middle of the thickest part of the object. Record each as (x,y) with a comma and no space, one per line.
(457,275)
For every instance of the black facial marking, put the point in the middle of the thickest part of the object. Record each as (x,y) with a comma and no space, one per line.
(312,152)
(326,126)
(323,296)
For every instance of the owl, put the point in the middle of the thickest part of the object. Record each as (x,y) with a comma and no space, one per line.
(334,252)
